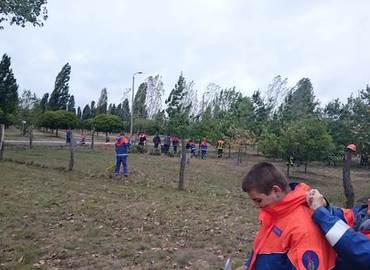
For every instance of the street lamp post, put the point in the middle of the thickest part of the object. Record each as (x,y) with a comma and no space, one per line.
(132,102)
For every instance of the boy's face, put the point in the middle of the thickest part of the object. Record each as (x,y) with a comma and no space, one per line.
(262,200)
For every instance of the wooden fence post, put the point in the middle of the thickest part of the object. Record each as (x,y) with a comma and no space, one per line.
(30,136)
(92,137)
(71,156)
(2,138)
(182,165)
(347,184)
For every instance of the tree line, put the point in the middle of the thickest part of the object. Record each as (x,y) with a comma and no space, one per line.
(284,122)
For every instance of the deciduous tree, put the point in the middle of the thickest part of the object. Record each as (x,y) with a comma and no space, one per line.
(20,12)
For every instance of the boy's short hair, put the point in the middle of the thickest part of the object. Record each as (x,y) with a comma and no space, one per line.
(262,177)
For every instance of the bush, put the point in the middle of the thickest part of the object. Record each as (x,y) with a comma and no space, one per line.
(137,149)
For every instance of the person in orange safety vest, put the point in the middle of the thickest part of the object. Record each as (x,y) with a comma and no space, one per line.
(288,238)
(220,147)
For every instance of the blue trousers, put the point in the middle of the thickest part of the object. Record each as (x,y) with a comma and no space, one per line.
(119,160)
(203,154)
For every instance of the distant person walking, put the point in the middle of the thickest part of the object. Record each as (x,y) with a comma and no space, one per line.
(166,144)
(156,141)
(82,138)
(68,135)
(121,146)
(142,139)
(203,148)
(190,146)
(220,147)
(364,158)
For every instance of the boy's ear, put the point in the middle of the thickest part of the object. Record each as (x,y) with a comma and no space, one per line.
(276,188)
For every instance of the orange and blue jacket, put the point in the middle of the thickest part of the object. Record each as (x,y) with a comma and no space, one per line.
(288,238)
(122,144)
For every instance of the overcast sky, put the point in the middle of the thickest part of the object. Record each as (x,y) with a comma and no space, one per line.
(242,43)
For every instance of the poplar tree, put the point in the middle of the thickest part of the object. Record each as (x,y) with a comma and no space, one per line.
(101,107)
(71,104)
(126,110)
(139,108)
(60,96)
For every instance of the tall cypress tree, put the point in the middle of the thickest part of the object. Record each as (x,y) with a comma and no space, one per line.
(139,108)
(79,113)
(8,87)
(60,96)
(92,109)
(126,110)
(119,110)
(44,102)
(86,113)
(101,107)
(113,110)
(71,104)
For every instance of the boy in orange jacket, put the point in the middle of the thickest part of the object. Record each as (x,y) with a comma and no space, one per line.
(288,238)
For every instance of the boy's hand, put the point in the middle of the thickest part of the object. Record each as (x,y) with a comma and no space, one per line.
(242,268)
(315,199)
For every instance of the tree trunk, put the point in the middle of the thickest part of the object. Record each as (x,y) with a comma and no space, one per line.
(30,134)
(288,170)
(71,158)
(92,138)
(229,150)
(305,167)
(2,137)
(24,130)
(56,133)
(182,165)
(246,154)
(347,184)
(238,160)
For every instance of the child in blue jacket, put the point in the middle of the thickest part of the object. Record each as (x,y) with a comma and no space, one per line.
(121,146)
(347,231)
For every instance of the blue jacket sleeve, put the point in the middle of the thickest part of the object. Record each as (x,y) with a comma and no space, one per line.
(351,246)
(336,212)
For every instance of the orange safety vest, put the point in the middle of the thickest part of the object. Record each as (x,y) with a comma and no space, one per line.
(220,143)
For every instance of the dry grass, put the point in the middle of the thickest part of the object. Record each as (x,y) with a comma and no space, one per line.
(86,219)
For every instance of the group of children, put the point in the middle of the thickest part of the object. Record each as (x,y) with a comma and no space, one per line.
(122,144)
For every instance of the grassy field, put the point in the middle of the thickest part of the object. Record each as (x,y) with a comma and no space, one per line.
(86,219)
